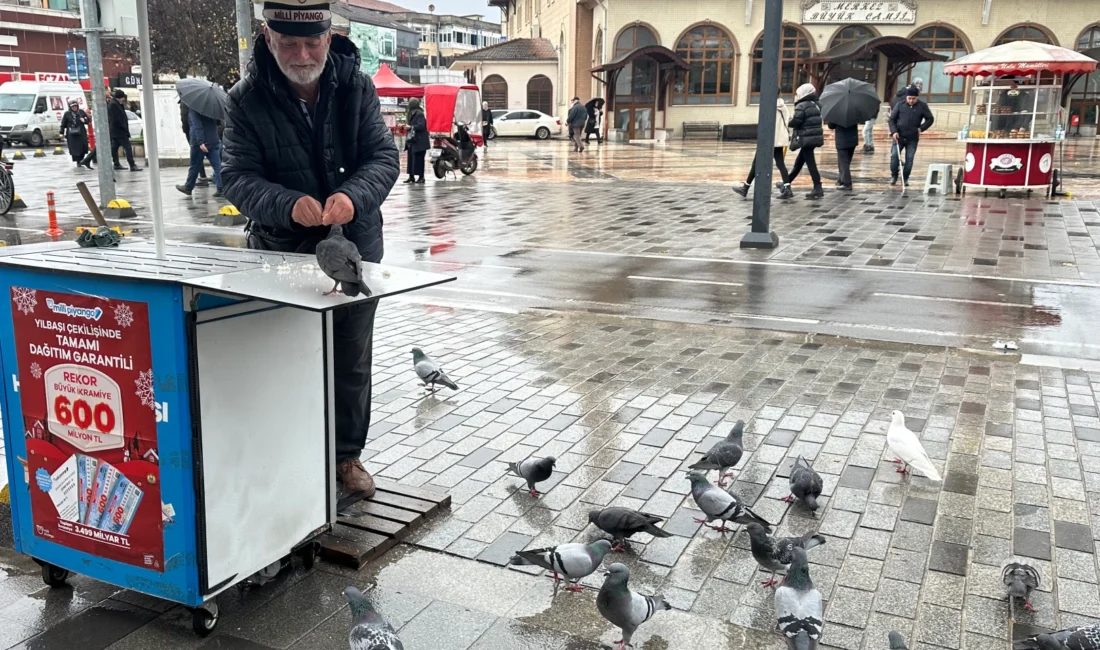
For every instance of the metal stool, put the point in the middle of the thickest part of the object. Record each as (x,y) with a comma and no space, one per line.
(938,179)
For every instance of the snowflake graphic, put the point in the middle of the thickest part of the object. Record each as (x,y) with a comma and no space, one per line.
(36,370)
(124,316)
(24,299)
(144,390)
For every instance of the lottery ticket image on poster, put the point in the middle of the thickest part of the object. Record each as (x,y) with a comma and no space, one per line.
(88,400)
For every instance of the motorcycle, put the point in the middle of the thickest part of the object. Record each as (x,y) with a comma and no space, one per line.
(457,153)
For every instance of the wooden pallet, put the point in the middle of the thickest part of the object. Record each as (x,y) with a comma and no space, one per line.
(367,529)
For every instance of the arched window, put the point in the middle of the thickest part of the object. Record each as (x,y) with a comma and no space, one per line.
(494,89)
(540,94)
(710,52)
(938,87)
(1084,102)
(597,49)
(865,69)
(794,49)
(1025,33)
(632,38)
(1089,38)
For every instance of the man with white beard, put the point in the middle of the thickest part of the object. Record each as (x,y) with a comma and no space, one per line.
(306,149)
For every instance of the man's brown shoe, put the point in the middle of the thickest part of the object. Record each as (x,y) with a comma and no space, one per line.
(355,478)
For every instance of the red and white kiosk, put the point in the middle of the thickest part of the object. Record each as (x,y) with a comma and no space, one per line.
(1016,115)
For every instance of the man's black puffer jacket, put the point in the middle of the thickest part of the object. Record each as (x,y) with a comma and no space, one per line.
(806,122)
(273,157)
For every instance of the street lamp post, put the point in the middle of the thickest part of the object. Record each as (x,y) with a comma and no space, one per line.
(761,236)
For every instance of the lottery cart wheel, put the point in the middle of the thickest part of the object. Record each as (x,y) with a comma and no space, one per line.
(204,619)
(54,576)
(308,555)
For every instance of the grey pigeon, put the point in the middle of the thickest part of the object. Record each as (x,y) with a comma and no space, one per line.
(896,642)
(1021,580)
(716,503)
(624,608)
(798,606)
(534,470)
(775,553)
(805,483)
(724,454)
(430,372)
(341,261)
(621,523)
(574,561)
(1082,637)
(368,630)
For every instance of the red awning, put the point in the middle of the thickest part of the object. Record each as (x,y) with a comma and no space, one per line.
(390,85)
(1020,58)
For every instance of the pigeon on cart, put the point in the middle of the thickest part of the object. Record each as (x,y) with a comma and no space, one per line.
(574,561)
(341,261)
(724,454)
(621,523)
(368,630)
(534,471)
(430,372)
(624,608)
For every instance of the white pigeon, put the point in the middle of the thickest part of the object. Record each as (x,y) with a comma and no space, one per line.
(906,445)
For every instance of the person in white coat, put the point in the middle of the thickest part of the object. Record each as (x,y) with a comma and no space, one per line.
(782,141)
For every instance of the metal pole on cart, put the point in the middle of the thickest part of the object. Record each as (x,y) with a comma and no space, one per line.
(150,117)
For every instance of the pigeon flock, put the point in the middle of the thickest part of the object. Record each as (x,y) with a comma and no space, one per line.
(798,604)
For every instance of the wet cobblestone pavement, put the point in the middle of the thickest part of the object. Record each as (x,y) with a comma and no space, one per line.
(625,404)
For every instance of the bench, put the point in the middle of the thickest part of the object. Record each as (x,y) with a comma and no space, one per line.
(702,127)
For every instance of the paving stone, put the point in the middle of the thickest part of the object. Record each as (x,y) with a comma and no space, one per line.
(1078,597)
(1073,536)
(949,558)
(922,511)
(912,536)
(1030,543)
(838,523)
(870,543)
(909,566)
(940,626)
(879,516)
(849,607)
(896,597)
(857,477)
(464,626)
(861,573)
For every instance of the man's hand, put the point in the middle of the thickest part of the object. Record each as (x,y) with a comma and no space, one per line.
(204,149)
(896,139)
(338,210)
(307,211)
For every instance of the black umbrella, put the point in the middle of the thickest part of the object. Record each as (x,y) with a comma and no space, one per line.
(596,103)
(202,96)
(849,102)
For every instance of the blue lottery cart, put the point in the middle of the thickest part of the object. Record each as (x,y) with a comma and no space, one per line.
(169,418)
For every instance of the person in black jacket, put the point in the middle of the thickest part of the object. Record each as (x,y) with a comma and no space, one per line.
(120,130)
(807,132)
(185,113)
(847,138)
(416,143)
(907,121)
(306,149)
(74,126)
(899,96)
(486,125)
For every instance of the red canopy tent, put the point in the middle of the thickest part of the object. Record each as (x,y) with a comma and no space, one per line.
(390,85)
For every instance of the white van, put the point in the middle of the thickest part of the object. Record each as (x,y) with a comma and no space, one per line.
(31,111)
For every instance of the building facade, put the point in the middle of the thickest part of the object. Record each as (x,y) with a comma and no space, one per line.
(700,61)
(35,39)
(518,73)
(380,40)
(444,38)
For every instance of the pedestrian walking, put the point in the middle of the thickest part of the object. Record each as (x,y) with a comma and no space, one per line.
(185,122)
(575,120)
(120,130)
(594,109)
(782,141)
(899,96)
(486,125)
(416,143)
(847,138)
(807,135)
(205,144)
(90,157)
(869,135)
(907,121)
(74,126)
(306,149)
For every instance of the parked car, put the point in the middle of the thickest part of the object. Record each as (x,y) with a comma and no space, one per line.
(526,123)
(31,111)
(137,126)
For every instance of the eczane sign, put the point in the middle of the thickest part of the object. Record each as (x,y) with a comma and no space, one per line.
(876,12)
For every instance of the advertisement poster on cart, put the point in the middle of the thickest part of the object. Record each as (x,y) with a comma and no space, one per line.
(86,388)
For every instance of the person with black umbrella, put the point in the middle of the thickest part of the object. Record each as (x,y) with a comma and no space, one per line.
(186,124)
(592,126)
(847,138)
(204,141)
(844,104)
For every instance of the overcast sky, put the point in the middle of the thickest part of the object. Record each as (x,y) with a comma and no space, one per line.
(455,7)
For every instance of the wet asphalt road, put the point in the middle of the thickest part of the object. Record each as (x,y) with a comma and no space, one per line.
(1046,317)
